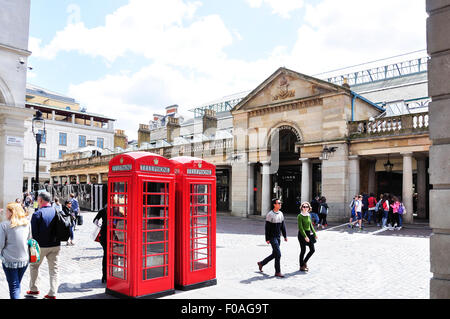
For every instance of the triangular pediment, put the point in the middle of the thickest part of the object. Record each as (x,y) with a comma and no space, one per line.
(284,86)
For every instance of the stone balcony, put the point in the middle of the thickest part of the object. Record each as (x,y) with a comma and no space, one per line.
(408,124)
(216,150)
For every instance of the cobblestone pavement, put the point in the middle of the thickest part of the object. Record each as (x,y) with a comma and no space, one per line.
(372,264)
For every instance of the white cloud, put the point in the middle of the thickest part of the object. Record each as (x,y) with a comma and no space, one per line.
(349,32)
(283,8)
(187,63)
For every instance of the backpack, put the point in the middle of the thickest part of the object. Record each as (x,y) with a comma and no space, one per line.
(35,251)
(401,209)
(61,226)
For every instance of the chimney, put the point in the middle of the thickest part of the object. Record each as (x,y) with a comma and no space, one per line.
(173,128)
(173,109)
(143,134)
(120,139)
(345,84)
(209,122)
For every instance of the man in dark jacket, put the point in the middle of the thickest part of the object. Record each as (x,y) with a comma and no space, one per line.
(275,226)
(43,232)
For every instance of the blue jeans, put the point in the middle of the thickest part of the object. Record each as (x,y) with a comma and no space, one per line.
(385,217)
(276,254)
(400,220)
(314,217)
(14,277)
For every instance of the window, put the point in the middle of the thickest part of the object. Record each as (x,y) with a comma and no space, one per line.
(100,142)
(61,153)
(81,141)
(41,152)
(43,136)
(63,139)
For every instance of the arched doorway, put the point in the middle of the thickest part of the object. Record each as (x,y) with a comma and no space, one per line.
(286,182)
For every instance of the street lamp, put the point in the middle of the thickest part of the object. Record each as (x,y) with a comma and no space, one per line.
(388,166)
(327,151)
(38,129)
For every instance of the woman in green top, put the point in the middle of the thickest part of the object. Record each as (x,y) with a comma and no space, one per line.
(306,235)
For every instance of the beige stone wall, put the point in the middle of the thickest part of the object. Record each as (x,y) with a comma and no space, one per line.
(438,40)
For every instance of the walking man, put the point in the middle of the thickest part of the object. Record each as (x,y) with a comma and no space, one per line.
(42,230)
(275,226)
(75,209)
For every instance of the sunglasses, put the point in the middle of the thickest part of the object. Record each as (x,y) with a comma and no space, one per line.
(305,206)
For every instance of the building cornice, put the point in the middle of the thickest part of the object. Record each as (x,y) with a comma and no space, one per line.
(15,50)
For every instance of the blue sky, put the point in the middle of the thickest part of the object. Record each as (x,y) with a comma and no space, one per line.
(129,59)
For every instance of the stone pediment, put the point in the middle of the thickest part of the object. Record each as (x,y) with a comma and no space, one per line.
(285,86)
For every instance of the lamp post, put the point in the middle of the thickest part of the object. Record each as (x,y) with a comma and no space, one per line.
(38,129)
(327,151)
(388,166)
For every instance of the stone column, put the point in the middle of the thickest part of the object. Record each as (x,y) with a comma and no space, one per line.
(354,175)
(438,40)
(78,179)
(407,192)
(88,179)
(99,178)
(306,186)
(251,185)
(266,191)
(421,187)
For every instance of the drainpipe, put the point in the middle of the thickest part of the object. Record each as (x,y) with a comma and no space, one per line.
(353,106)
(355,96)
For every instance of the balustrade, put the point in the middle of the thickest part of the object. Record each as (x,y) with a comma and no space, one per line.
(403,124)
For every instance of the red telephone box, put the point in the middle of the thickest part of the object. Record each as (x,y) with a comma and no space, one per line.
(195,252)
(141,228)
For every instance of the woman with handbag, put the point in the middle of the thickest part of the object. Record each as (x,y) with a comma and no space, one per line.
(67,210)
(14,252)
(306,235)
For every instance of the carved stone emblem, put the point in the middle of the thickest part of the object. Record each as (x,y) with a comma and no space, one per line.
(283,90)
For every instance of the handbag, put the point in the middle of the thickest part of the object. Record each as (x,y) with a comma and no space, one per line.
(96,234)
(312,238)
(80,220)
(34,250)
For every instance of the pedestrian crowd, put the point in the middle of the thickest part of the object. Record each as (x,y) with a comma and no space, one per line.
(386,212)
(21,229)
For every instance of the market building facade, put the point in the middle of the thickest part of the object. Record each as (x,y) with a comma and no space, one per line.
(295,137)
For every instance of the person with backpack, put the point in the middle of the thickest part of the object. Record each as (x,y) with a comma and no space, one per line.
(75,210)
(14,235)
(372,203)
(379,211)
(323,212)
(398,210)
(385,205)
(353,219)
(43,231)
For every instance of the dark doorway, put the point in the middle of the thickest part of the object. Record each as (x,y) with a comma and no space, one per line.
(287,181)
(223,190)
(390,183)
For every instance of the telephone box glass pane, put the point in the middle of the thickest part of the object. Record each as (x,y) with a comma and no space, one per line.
(118,230)
(200,224)
(155,202)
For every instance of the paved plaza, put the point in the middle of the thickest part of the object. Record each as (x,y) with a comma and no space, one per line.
(348,264)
